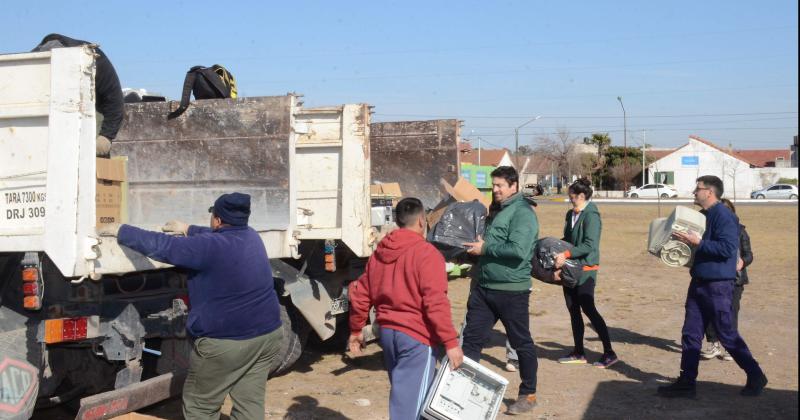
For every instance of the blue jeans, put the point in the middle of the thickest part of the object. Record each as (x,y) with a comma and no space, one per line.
(411,367)
(711,302)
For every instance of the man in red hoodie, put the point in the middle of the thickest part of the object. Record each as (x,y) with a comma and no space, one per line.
(405,281)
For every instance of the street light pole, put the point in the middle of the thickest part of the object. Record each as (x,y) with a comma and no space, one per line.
(479,150)
(625,145)
(644,146)
(516,139)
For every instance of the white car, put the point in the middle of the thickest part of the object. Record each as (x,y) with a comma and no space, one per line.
(653,191)
(776,191)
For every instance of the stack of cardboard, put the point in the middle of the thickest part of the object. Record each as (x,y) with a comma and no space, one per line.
(389,191)
(111,191)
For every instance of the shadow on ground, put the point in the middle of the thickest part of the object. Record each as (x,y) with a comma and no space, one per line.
(626,400)
(622,335)
(305,407)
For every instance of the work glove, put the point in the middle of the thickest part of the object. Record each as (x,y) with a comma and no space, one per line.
(103,146)
(176,226)
(111,229)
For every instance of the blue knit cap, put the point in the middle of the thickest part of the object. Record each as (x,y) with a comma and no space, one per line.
(233,208)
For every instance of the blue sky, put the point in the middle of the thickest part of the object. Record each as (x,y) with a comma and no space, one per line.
(723,70)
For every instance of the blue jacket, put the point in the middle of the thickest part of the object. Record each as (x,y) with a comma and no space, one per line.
(231,290)
(715,257)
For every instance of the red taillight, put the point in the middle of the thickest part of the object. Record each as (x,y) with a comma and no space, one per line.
(30,289)
(70,329)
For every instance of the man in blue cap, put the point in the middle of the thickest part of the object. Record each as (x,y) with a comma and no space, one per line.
(234,318)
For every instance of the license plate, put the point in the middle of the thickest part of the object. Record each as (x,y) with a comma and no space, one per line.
(339,306)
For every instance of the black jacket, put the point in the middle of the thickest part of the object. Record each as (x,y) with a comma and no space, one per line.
(746,253)
(108,90)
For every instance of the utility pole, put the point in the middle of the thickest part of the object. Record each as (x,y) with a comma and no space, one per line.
(644,146)
(479,150)
(625,144)
(516,140)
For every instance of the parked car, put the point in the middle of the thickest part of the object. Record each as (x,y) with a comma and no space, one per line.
(776,191)
(653,191)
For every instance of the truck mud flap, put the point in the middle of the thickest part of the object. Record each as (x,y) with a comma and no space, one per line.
(310,298)
(130,398)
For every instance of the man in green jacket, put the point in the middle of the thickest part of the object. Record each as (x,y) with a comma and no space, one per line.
(504,282)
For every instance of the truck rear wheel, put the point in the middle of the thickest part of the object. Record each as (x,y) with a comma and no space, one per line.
(19,379)
(295,334)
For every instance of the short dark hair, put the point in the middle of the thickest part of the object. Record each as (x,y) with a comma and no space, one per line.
(714,183)
(506,172)
(581,186)
(407,211)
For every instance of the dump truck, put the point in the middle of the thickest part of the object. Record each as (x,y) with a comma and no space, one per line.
(84,319)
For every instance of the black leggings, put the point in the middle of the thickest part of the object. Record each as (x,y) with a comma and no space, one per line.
(582,298)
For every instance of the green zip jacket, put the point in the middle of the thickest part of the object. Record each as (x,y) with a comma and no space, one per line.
(508,245)
(585,238)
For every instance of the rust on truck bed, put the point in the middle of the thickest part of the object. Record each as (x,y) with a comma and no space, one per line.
(416,154)
(176,168)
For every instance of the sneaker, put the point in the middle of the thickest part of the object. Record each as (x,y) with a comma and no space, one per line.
(754,387)
(726,356)
(573,359)
(523,404)
(606,360)
(512,365)
(714,350)
(681,388)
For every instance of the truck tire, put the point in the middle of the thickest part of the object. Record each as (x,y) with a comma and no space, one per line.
(295,334)
(17,371)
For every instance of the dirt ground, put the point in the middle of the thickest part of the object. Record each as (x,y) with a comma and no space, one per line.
(642,302)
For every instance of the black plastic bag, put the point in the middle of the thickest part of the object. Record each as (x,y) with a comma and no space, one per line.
(460,223)
(543,263)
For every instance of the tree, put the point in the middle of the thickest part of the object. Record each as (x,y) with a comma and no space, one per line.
(559,149)
(615,157)
(601,141)
(525,150)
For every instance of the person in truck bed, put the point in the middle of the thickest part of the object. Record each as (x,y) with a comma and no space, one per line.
(108,91)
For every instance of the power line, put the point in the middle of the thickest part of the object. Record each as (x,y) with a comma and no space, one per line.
(649,130)
(267,56)
(516,117)
(649,125)
(585,116)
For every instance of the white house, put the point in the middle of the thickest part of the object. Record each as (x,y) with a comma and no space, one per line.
(742,171)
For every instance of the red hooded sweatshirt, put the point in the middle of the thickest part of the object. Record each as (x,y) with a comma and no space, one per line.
(406,282)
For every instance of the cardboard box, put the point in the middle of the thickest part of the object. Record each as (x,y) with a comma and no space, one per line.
(110,194)
(391,189)
(463,191)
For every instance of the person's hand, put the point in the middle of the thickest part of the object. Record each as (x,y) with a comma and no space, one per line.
(103,146)
(356,343)
(475,248)
(561,259)
(176,226)
(111,229)
(739,264)
(456,356)
(688,237)
(557,276)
